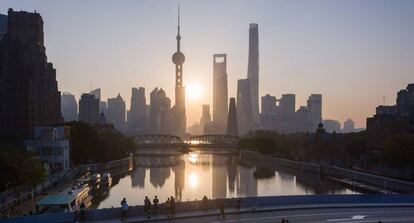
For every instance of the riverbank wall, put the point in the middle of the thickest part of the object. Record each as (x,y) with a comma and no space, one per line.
(247,203)
(114,167)
(386,183)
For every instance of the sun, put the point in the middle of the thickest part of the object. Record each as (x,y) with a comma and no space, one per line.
(193,90)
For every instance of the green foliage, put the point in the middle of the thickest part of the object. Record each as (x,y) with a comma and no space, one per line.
(265,144)
(89,145)
(19,167)
(355,144)
(399,150)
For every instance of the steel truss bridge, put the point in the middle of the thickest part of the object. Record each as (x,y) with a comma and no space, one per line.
(199,141)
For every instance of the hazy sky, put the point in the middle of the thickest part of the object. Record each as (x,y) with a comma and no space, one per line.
(353,52)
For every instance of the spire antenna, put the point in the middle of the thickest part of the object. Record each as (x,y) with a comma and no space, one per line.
(178,18)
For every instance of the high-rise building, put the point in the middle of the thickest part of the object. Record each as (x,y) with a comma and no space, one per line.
(349,126)
(269,110)
(205,116)
(69,107)
(244,108)
(3,25)
(178,58)
(103,106)
(96,93)
(332,126)
(160,112)
(220,95)
(302,118)
(253,70)
(136,117)
(29,95)
(116,112)
(287,106)
(88,109)
(315,110)
(232,128)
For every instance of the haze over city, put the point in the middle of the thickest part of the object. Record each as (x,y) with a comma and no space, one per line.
(352,52)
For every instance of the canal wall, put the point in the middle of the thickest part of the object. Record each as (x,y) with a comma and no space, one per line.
(246,204)
(386,183)
(114,167)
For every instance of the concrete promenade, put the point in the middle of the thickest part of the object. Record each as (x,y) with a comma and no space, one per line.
(262,206)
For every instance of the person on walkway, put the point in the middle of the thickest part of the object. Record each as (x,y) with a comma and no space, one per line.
(238,206)
(168,207)
(205,201)
(172,206)
(82,210)
(221,209)
(155,205)
(146,208)
(124,210)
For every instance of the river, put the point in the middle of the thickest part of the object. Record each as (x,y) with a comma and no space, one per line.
(216,175)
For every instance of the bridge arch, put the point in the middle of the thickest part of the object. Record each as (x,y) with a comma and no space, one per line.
(213,141)
(155,140)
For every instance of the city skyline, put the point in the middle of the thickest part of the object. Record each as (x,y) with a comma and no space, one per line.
(347,58)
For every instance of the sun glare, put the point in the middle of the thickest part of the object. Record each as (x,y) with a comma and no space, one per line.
(193,180)
(193,90)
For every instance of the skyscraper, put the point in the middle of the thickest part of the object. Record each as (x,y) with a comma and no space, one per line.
(220,95)
(69,107)
(29,95)
(178,59)
(315,110)
(253,70)
(332,126)
(287,106)
(88,109)
(232,128)
(205,116)
(244,108)
(160,112)
(268,115)
(136,117)
(116,112)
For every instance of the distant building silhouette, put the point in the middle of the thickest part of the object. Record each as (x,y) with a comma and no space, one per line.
(244,106)
(269,112)
(136,117)
(103,106)
(29,93)
(332,126)
(287,106)
(220,94)
(392,120)
(349,126)
(205,117)
(160,112)
(232,128)
(3,25)
(253,70)
(88,109)
(69,107)
(116,112)
(315,109)
(180,120)
(303,121)
(195,129)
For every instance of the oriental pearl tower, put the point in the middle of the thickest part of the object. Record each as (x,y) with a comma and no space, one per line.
(178,59)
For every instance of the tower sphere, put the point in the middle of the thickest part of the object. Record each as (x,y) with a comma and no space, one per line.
(178,58)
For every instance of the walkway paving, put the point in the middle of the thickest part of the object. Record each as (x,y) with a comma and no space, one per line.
(213,213)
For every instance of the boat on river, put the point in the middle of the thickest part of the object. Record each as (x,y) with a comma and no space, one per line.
(69,200)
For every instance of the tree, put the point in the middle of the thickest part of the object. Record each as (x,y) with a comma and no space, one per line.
(399,151)
(19,167)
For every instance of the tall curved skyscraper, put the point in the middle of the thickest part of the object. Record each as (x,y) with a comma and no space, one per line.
(253,70)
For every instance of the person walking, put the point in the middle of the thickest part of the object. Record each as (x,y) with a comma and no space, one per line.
(221,209)
(155,205)
(146,208)
(172,206)
(168,207)
(124,210)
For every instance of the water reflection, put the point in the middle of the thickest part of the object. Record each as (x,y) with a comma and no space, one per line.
(191,176)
